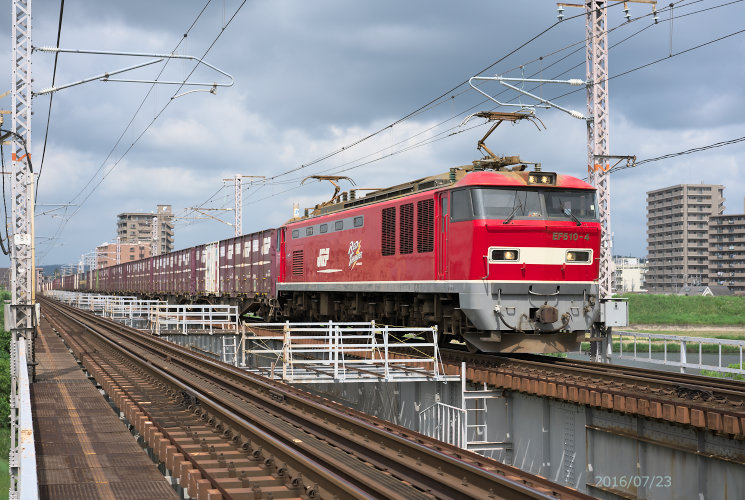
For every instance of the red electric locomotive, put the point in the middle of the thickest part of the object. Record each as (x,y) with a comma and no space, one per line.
(505,259)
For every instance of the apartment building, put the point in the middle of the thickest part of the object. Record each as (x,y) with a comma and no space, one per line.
(629,274)
(727,251)
(137,228)
(677,235)
(109,254)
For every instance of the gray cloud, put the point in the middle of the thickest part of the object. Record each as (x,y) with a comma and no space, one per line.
(314,76)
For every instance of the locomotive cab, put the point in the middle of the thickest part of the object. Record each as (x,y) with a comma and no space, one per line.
(524,250)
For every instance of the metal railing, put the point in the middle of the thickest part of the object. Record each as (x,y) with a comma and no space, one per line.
(131,312)
(644,353)
(155,316)
(468,426)
(192,318)
(444,422)
(22,457)
(351,352)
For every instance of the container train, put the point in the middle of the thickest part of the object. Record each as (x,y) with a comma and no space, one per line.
(503,259)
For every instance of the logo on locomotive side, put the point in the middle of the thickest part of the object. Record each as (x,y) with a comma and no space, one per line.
(355,253)
(323,257)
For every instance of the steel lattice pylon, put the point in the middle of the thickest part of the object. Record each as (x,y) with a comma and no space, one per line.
(238,205)
(597,130)
(21,239)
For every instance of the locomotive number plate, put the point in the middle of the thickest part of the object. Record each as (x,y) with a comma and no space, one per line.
(570,236)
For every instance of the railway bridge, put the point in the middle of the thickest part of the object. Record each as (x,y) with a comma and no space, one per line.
(515,426)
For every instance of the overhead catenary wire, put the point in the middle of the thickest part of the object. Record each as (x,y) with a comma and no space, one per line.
(667,156)
(137,139)
(413,113)
(614,45)
(5,250)
(5,133)
(409,115)
(51,97)
(337,169)
(436,101)
(142,103)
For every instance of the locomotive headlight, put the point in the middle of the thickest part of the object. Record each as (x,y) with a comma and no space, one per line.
(576,256)
(545,178)
(501,255)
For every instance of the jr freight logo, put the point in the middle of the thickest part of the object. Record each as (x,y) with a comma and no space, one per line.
(323,257)
(355,253)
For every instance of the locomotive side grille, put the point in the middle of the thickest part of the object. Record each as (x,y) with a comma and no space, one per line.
(406,229)
(297,262)
(388,243)
(425,226)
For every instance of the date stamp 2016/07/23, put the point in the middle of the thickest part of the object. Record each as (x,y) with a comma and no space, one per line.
(633,481)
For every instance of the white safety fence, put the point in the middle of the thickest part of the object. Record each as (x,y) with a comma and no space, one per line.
(346,352)
(444,422)
(134,313)
(465,427)
(192,318)
(644,347)
(156,316)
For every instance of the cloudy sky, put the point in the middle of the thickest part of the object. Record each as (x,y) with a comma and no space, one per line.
(314,77)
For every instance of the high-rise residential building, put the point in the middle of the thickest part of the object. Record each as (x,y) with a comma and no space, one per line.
(137,228)
(109,254)
(629,274)
(677,233)
(727,251)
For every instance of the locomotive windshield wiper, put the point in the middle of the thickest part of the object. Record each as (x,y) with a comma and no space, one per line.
(514,211)
(568,212)
(512,215)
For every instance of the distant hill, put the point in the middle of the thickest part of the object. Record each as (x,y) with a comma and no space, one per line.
(50,269)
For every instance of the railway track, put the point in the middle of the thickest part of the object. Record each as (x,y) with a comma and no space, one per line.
(702,402)
(225,431)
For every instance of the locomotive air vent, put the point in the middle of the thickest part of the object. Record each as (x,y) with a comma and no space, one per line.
(297,262)
(425,225)
(388,233)
(406,229)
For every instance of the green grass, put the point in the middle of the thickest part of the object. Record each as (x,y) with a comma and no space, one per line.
(4,470)
(651,309)
(733,376)
(687,333)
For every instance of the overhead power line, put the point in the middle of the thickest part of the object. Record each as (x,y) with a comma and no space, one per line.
(681,153)
(51,97)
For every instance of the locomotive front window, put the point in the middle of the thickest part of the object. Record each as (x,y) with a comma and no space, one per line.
(462,206)
(506,203)
(579,203)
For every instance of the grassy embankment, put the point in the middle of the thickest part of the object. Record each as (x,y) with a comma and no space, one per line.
(696,314)
(4,400)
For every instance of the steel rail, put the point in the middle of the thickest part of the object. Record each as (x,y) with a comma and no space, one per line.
(725,388)
(444,471)
(312,469)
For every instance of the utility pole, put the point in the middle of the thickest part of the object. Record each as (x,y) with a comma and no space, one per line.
(237,181)
(155,247)
(20,314)
(238,188)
